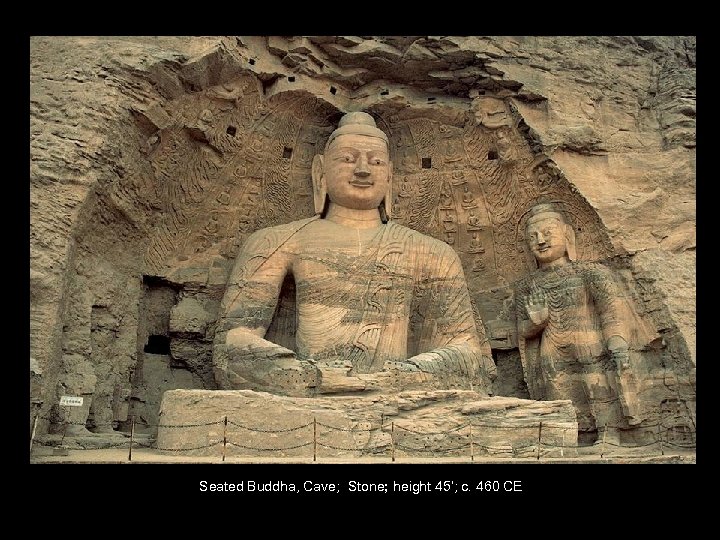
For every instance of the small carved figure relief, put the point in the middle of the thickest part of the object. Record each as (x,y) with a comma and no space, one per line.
(450,146)
(405,190)
(305,154)
(473,222)
(449,222)
(475,245)
(505,148)
(468,199)
(446,199)
(458,178)
(224,197)
(408,159)
(212,226)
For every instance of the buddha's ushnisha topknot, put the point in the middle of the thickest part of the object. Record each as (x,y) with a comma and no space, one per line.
(357,123)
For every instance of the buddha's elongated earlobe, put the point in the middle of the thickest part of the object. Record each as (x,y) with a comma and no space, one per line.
(387,201)
(319,184)
(570,242)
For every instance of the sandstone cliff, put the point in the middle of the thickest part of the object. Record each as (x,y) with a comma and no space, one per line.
(152,158)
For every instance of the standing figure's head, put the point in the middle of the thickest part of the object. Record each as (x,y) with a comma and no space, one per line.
(549,237)
(355,171)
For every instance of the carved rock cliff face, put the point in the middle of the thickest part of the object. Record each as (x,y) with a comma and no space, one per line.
(152,159)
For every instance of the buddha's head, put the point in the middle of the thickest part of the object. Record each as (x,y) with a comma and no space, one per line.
(355,169)
(549,237)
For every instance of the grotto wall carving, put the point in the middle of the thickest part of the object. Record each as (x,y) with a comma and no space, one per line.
(154,160)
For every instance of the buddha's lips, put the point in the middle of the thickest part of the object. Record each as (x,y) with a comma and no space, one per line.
(361,183)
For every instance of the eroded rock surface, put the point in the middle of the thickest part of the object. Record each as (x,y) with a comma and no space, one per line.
(154,158)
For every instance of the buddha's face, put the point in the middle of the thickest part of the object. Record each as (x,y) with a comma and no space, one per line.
(357,171)
(546,238)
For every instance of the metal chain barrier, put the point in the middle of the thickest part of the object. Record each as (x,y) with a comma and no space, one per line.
(411,449)
(137,444)
(494,426)
(345,429)
(631,445)
(659,437)
(192,448)
(679,445)
(339,447)
(457,428)
(269,449)
(522,447)
(260,430)
(189,425)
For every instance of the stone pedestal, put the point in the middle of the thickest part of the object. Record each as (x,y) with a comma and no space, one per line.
(416,423)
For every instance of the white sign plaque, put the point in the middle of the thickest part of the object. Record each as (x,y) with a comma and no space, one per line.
(72,401)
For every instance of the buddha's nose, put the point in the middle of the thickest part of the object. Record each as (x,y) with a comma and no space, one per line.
(540,239)
(362,169)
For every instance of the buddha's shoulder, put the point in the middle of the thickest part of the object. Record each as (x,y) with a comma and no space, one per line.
(592,268)
(278,234)
(420,239)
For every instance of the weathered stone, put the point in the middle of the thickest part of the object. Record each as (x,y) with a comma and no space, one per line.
(580,336)
(151,155)
(416,423)
(189,317)
(358,278)
(157,378)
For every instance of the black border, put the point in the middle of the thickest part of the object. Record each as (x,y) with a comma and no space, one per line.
(603,495)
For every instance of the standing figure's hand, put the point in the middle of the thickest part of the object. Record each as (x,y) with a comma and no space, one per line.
(536,306)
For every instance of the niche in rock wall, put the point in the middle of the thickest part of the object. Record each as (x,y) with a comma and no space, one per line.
(108,406)
(235,159)
(156,371)
(192,329)
(157,345)
(509,380)
(158,298)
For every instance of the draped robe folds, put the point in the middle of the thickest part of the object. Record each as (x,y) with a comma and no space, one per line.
(364,297)
(567,357)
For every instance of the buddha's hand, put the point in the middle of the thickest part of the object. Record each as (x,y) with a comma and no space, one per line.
(247,342)
(426,362)
(401,365)
(618,348)
(536,306)
(268,366)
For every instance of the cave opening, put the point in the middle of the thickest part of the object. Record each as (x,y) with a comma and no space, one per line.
(157,345)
